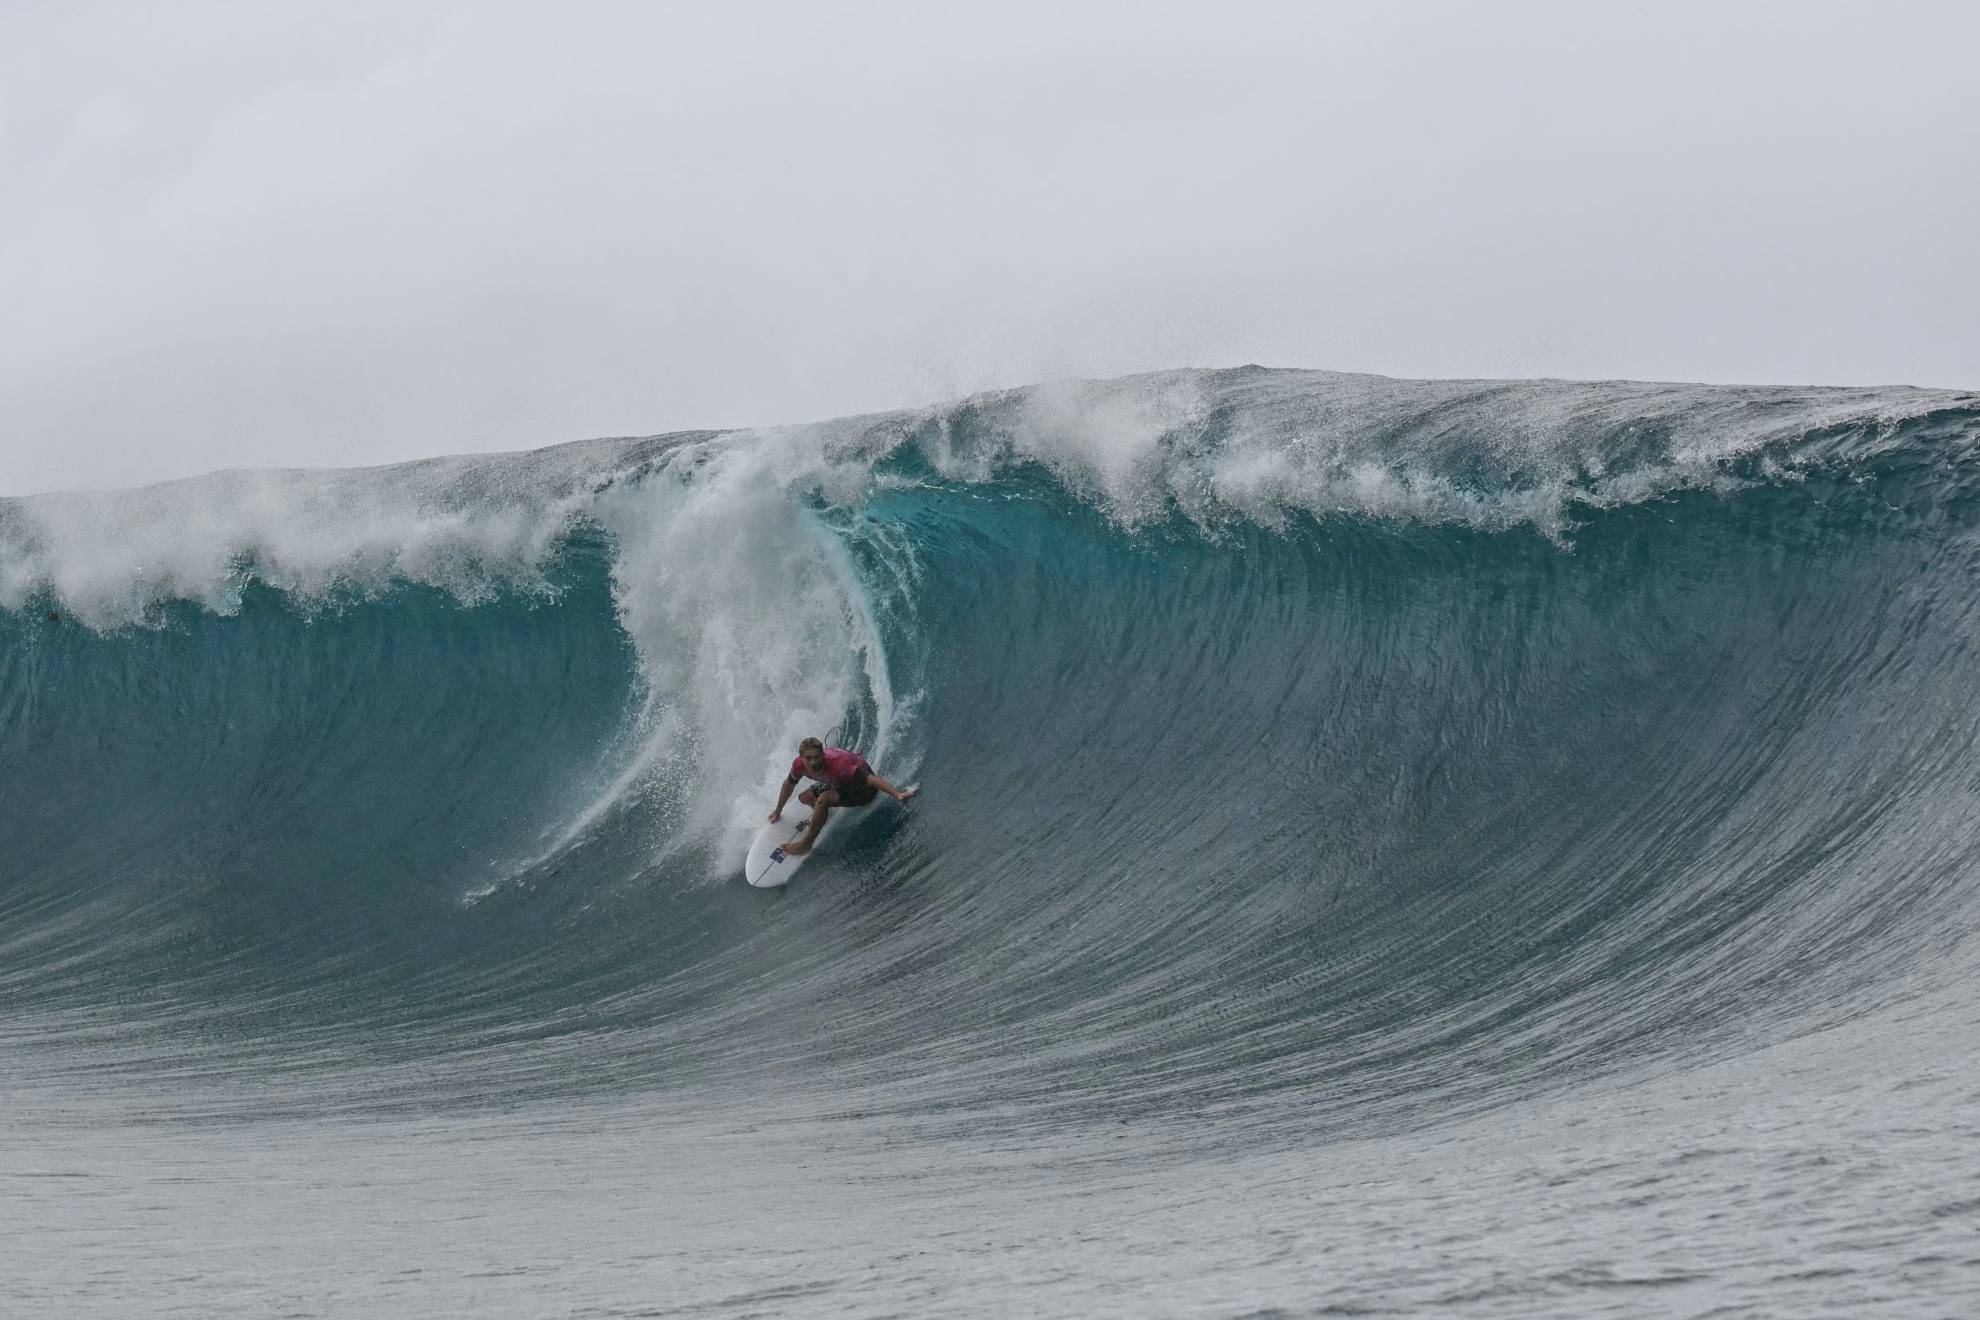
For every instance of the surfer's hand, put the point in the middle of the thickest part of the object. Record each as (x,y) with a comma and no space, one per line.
(776,815)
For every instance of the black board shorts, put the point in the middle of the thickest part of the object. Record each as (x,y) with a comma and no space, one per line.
(859,793)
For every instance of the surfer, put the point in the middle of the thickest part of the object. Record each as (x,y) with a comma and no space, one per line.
(842,779)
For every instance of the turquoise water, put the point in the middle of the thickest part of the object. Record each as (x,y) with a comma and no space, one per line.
(1396,847)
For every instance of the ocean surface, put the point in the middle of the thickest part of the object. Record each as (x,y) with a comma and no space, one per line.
(1430,848)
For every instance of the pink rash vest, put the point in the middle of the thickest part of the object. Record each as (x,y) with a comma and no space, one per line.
(841,768)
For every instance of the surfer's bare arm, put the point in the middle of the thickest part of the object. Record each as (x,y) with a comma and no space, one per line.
(783,796)
(897,794)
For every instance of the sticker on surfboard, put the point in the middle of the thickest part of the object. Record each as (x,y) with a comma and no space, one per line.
(768,865)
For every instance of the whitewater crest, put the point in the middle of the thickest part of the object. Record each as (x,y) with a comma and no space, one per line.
(1212,446)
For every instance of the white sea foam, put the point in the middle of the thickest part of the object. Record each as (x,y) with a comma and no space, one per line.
(1249,444)
(1262,445)
(748,616)
(111,558)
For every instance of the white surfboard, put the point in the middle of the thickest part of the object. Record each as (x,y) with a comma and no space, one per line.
(768,865)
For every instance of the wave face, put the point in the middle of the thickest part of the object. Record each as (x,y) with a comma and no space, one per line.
(1295,746)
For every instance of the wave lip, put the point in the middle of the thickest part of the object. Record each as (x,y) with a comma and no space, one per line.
(1246,443)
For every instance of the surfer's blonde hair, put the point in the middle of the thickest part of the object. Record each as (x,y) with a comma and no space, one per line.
(811,745)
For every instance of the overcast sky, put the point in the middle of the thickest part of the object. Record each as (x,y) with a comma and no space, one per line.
(257,234)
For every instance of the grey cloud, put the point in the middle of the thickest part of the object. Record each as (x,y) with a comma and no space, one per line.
(245,235)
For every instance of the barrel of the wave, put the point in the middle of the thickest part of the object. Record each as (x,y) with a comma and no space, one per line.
(842,781)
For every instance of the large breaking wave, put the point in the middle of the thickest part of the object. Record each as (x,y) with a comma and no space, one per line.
(1294,744)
